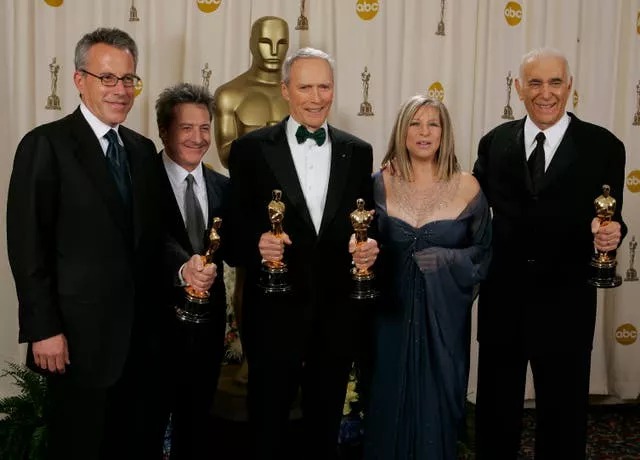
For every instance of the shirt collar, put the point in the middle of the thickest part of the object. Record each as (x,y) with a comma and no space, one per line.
(553,135)
(177,174)
(292,127)
(98,126)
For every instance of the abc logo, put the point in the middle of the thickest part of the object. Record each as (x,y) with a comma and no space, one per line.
(633,181)
(626,334)
(367,9)
(138,88)
(436,91)
(576,99)
(54,3)
(513,13)
(208,6)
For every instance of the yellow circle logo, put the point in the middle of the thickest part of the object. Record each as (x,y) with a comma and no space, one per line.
(367,9)
(436,91)
(138,88)
(208,6)
(54,3)
(576,99)
(626,334)
(513,13)
(633,181)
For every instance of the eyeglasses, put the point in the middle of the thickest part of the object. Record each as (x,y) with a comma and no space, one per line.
(110,79)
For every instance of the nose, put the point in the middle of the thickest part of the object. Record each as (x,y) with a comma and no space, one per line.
(315,95)
(274,49)
(197,136)
(545,90)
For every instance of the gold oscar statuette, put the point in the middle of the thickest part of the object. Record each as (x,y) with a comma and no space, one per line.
(603,264)
(206,75)
(365,108)
(303,21)
(632,273)
(254,98)
(53,101)
(133,13)
(363,278)
(507,113)
(636,117)
(196,307)
(273,276)
(440,29)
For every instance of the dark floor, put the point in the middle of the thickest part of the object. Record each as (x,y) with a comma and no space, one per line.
(614,434)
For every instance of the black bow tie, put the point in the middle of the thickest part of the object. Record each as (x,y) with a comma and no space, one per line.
(319,135)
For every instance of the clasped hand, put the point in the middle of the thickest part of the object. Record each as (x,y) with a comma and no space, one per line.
(199,275)
(364,255)
(605,237)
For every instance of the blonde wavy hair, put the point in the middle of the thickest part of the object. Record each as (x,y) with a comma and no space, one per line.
(397,156)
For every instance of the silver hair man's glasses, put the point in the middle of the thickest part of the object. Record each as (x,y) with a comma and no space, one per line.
(109,79)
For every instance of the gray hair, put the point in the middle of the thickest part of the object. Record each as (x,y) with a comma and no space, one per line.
(181,93)
(543,53)
(112,37)
(305,53)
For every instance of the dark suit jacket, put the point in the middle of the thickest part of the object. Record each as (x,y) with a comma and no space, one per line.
(318,311)
(83,265)
(537,289)
(180,250)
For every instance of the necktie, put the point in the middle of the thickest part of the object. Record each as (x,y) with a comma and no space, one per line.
(536,162)
(319,135)
(194,217)
(118,166)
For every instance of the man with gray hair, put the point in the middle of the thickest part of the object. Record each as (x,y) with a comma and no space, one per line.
(194,195)
(541,175)
(84,241)
(310,337)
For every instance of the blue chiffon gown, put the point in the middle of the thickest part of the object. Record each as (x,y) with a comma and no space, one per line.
(422,331)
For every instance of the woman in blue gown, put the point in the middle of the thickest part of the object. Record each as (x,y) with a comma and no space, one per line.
(434,235)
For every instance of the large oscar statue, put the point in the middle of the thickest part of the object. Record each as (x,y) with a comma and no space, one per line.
(248,102)
(196,308)
(603,264)
(253,99)
(363,288)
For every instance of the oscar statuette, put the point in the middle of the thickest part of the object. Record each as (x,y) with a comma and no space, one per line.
(196,307)
(363,278)
(603,265)
(632,273)
(273,276)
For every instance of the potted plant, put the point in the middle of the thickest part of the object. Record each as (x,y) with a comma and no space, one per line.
(23,428)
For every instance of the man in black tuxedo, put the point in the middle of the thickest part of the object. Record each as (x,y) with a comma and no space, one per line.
(85,243)
(541,175)
(184,114)
(310,337)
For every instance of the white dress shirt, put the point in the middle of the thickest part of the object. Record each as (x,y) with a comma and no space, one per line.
(553,137)
(178,180)
(99,128)
(313,165)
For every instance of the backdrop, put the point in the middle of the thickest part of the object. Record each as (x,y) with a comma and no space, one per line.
(460,51)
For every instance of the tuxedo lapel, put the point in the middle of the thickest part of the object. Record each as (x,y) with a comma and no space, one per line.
(341,154)
(278,156)
(214,194)
(175,222)
(139,188)
(565,155)
(514,158)
(93,161)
